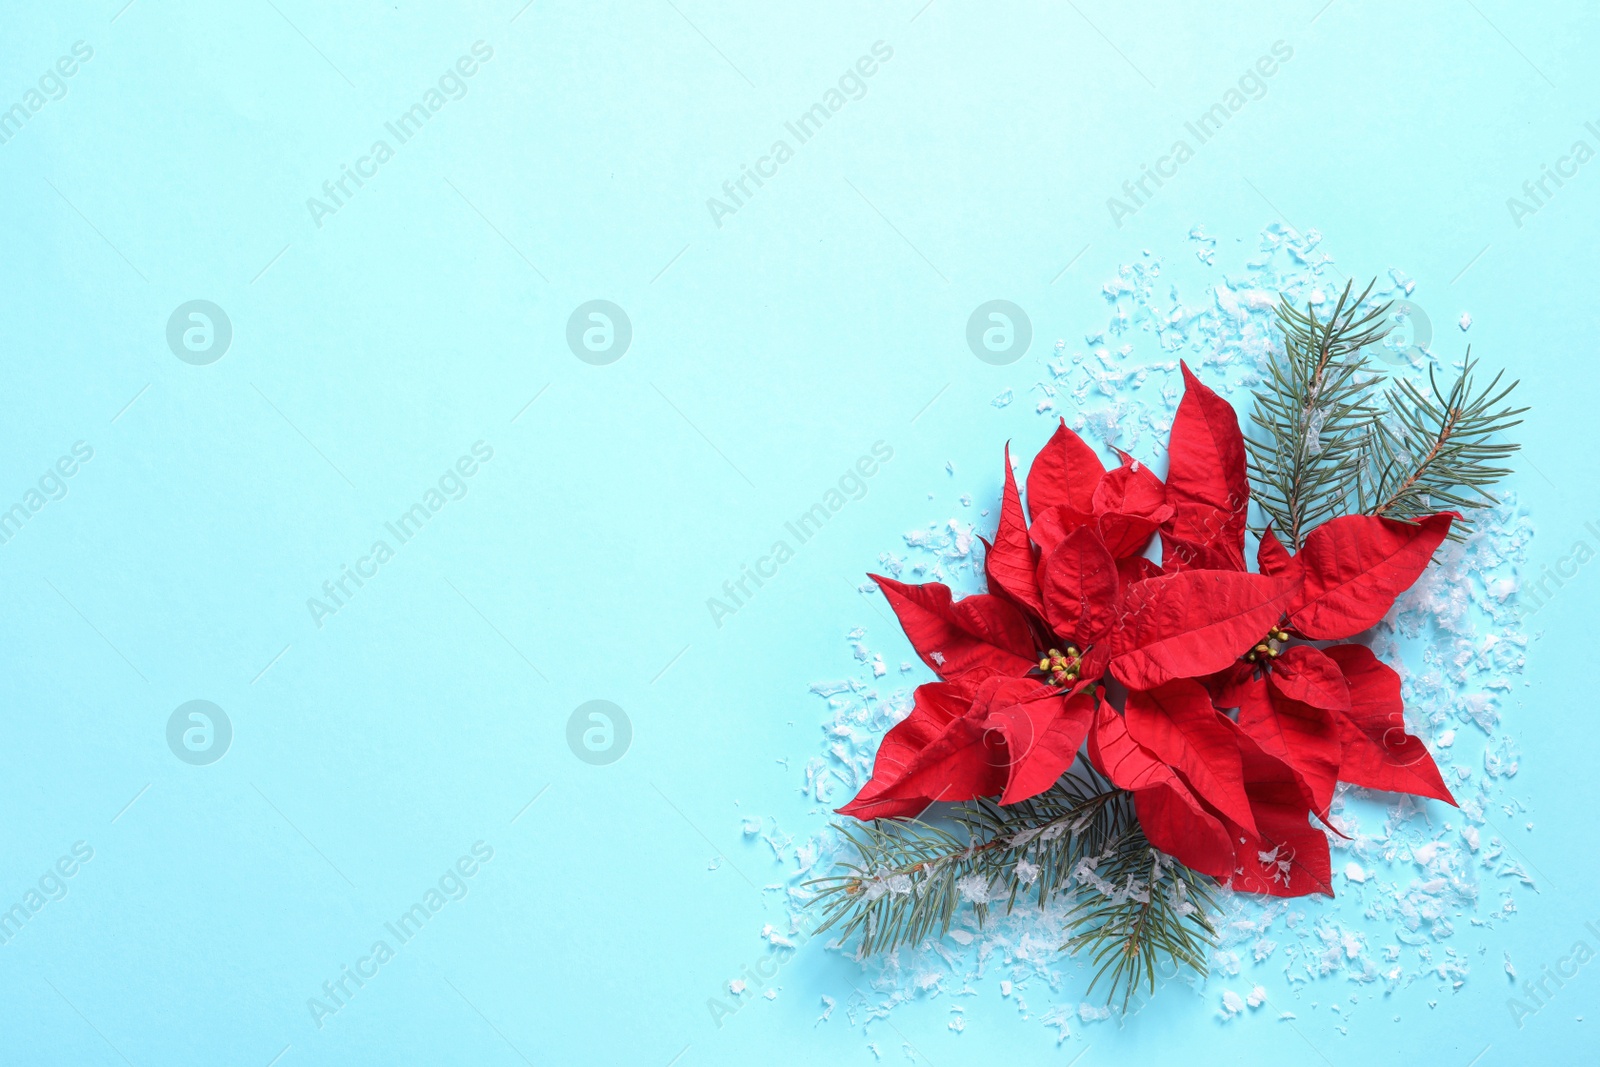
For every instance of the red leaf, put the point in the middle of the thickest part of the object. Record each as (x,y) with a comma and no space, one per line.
(1171,816)
(1206,472)
(1065,471)
(1207,462)
(1095,660)
(1053,524)
(1078,580)
(1178,725)
(1125,535)
(1197,538)
(1304,737)
(1271,557)
(1136,569)
(1192,624)
(939,752)
(1287,857)
(1303,673)
(1009,563)
(1115,754)
(1227,685)
(1354,568)
(1175,823)
(1042,731)
(980,634)
(1377,752)
(1132,489)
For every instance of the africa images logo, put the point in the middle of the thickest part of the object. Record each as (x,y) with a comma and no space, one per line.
(199,733)
(199,332)
(599,732)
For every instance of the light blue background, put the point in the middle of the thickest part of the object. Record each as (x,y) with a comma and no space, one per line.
(826,314)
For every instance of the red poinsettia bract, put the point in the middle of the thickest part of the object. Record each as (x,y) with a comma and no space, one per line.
(1239,717)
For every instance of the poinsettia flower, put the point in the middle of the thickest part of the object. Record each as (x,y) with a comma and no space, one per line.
(1300,705)
(1008,736)
(1063,608)
(1335,714)
(1332,714)
(1296,702)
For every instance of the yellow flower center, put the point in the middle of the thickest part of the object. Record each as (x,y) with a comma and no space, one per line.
(1268,647)
(1062,668)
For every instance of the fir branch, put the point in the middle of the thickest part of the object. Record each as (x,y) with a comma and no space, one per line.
(1434,452)
(907,880)
(1041,840)
(1132,904)
(903,887)
(1314,415)
(1149,906)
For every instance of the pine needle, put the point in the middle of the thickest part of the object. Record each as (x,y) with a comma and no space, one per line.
(1148,907)
(1330,439)
(1133,906)
(1315,414)
(1435,453)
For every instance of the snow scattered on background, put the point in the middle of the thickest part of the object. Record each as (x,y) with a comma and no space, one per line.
(1420,878)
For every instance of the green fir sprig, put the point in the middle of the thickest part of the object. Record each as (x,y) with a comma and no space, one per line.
(1132,905)
(1314,414)
(1146,906)
(1332,437)
(1437,452)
